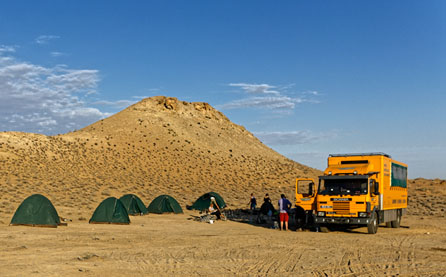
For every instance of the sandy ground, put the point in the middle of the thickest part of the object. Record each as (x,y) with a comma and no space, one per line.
(178,245)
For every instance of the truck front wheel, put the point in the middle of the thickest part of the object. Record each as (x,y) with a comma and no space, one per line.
(300,218)
(372,227)
(396,223)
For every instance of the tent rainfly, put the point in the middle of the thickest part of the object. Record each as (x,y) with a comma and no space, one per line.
(133,204)
(110,211)
(38,211)
(165,204)
(204,201)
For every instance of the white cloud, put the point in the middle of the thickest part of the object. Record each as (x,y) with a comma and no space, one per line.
(44,99)
(269,102)
(154,89)
(140,97)
(45,39)
(268,97)
(6,49)
(74,80)
(291,137)
(311,92)
(117,104)
(56,54)
(256,88)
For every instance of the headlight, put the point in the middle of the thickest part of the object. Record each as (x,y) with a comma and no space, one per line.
(362,214)
(320,213)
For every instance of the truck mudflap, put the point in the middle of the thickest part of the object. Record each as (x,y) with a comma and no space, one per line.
(342,220)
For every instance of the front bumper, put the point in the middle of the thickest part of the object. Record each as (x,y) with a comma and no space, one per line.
(342,220)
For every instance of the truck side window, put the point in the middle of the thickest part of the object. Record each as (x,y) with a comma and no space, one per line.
(322,189)
(305,187)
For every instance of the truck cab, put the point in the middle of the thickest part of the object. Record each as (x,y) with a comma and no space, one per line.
(357,189)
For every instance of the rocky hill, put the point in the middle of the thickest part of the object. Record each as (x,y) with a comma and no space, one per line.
(159,145)
(427,197)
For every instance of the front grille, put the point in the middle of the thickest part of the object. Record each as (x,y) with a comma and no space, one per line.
(341,207)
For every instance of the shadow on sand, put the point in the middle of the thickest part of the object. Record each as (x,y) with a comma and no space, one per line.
(255,218)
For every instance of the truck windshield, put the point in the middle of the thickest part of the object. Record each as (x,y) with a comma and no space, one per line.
(343,186)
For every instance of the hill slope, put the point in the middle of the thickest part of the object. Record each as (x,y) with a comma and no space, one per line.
(159,145)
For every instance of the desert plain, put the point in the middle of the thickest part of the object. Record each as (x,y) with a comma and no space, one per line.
(165,146)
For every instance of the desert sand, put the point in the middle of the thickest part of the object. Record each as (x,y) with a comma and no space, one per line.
(165,146)
(174,245)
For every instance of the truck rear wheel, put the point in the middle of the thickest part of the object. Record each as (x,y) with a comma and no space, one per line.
(372,227)
(396,223)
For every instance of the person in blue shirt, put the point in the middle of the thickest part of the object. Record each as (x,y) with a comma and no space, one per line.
(252,202)
(284,207)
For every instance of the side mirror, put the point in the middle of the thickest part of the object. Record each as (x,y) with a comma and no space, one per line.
(376,188)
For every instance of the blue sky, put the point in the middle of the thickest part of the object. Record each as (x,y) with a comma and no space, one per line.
(308,78)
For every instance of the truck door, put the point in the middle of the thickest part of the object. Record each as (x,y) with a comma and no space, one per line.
(306,191)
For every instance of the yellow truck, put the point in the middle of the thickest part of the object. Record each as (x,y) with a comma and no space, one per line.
(356,189)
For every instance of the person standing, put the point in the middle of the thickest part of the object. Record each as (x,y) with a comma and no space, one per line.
(266,198)
(284,207)
(252,202)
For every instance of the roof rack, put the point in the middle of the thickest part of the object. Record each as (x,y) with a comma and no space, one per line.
(361,154)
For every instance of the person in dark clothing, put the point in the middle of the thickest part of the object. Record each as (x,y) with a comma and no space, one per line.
(267,208)
(266,212)
(266,198)
(252,202)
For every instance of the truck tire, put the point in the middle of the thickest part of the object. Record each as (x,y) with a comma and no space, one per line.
(299,218)
(324,229)
(372,227)
(396,223)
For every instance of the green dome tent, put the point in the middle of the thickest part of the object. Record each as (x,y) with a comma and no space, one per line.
(36,210)
(133,204)
(204,201)
(165,204)
(111,211)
